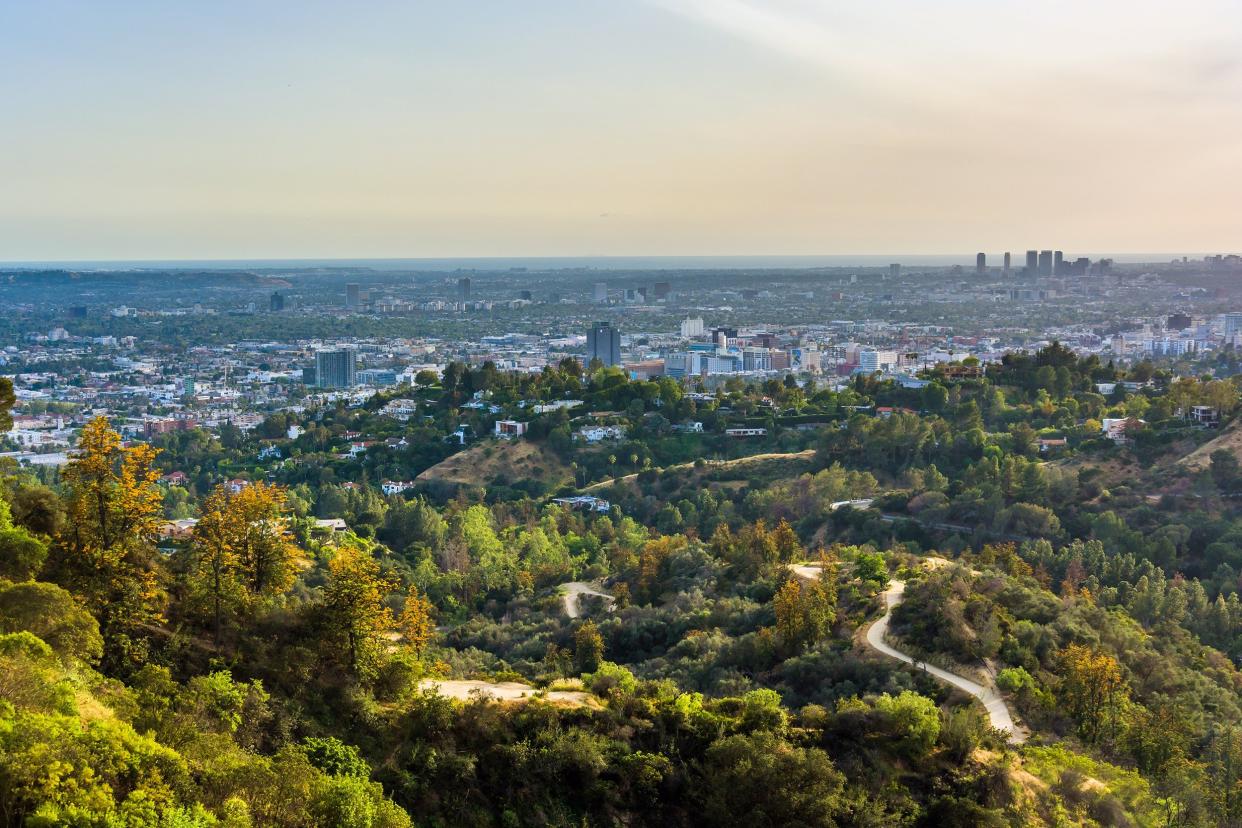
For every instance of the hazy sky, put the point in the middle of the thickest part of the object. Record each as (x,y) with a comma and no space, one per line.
(295,128)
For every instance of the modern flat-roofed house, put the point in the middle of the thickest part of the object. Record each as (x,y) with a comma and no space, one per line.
(1204,415)
(509,429)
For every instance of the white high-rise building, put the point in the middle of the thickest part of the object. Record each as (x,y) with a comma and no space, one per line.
(872,361)
(692,327)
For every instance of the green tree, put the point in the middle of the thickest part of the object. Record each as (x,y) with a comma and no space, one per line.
(37,508)
(871,568)
(760,779)
(935,397)
(495,566)
(8,399)
(54,616)
(22,554)
(335,758)
(1226,470)
(588,647)
(1025,440)
(914,719)
(412,523)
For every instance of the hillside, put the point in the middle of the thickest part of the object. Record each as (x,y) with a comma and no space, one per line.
(1229,439)
(501,463)
(742,468)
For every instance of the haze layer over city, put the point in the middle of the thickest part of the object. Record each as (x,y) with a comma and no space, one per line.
(642,413)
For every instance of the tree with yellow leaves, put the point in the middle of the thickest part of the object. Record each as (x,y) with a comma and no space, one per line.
(806,610)
(105,553)
(353,607)
(788,547)
(651,562)
(415,622)
(241,550)
(1092,689)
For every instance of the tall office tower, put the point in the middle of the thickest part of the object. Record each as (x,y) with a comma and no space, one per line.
(1007,263)
(692,327)
(1032,263)
(894,270)
(463,289)
(1178,322)
(601,292)
(1045,263)
(1232,324)
(604,344)
(721,336)
(352,291)
(1058,263)
(661,290)
(981,262)
(336,369)
(278,302)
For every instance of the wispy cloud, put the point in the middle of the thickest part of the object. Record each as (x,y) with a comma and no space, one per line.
(797,35)
(852,48)
(953,56)
(803,33)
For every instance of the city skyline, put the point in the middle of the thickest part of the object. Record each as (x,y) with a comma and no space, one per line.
(668,127)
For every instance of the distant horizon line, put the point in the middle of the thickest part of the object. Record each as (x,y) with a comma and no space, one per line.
(601,262)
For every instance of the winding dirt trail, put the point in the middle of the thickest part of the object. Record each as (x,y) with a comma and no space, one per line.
(989,696)
(575,590)
(998,711)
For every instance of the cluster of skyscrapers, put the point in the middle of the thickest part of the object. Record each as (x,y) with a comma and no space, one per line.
(657,291)
(1043,263)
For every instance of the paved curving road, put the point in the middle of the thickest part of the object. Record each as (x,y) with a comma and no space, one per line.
(576,589)
(998,711)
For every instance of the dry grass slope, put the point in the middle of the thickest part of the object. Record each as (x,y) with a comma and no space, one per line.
(491,462)
(1230,439)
